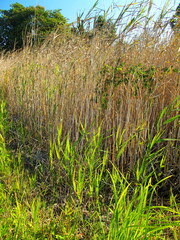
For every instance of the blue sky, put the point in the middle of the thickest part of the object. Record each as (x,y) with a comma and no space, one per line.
(70,8)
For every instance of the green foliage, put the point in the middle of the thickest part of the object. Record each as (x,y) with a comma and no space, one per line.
(105,26)
(83,22)
(20,23)
(175,20)
(90,24)
(140,76)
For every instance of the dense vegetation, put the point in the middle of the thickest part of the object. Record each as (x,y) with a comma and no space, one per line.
(21,25)
(89,135)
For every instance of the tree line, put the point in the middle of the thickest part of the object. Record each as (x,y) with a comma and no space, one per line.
(20,24)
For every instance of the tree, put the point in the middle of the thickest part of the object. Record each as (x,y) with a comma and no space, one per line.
(175,20)
(20,22)
(101,26)
(89,25)
(105,26)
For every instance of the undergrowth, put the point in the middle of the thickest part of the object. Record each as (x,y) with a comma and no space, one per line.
(81,195)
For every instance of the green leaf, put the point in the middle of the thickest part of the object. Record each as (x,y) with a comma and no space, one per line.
(172,119)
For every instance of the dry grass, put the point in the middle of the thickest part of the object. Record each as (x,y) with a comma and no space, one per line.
(66,81)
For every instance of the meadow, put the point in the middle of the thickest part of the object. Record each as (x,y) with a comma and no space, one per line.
(89,138)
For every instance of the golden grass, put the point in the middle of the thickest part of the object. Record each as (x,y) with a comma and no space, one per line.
(63,82)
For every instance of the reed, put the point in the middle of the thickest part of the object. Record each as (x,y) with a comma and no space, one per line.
(77,196)
(89,134)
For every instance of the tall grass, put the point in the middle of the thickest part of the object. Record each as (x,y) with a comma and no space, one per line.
(89,136)
(77,196)
(120,87)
